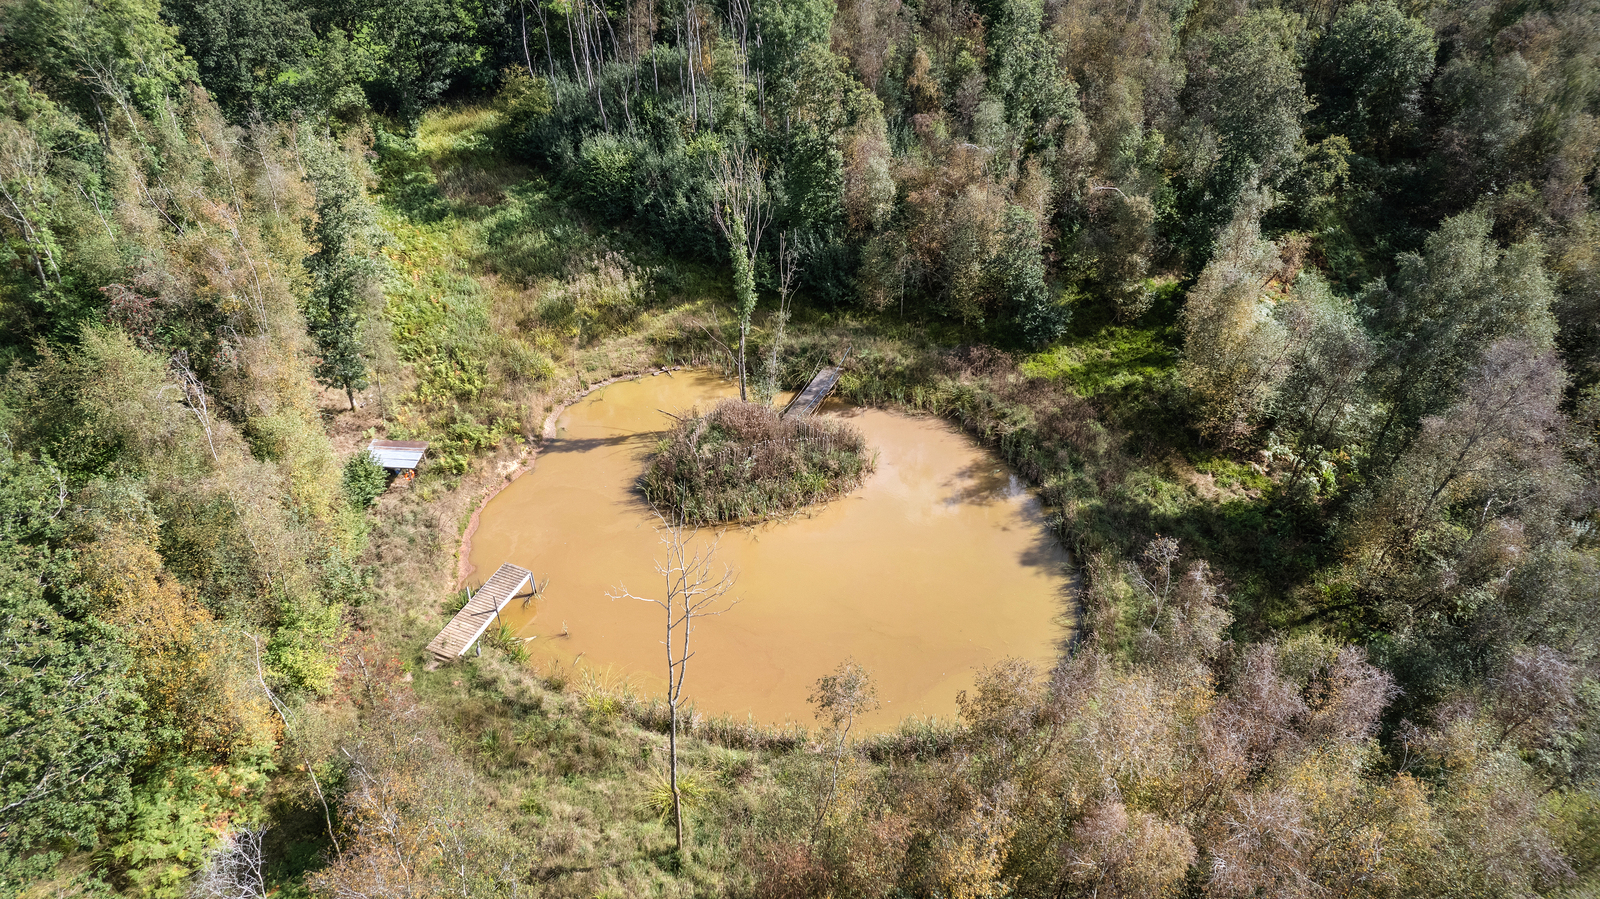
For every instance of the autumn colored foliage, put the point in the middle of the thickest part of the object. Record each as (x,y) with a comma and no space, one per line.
(1289,313)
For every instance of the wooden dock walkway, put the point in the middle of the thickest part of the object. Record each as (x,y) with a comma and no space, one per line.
(806,401)
(479,612)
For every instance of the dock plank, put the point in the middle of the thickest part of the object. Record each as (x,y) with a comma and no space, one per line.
(806,401)
(468,625)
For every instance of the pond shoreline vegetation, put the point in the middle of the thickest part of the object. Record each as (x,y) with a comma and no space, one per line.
(1289,311)
(743,462)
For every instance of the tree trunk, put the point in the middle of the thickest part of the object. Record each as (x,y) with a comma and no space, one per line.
(744,329)
(351,396)
(549,54)
(677,800)
(528,57)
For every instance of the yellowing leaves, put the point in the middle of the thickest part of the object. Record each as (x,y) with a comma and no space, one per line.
(195,679)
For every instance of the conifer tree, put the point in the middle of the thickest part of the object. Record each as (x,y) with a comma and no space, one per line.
(341,273)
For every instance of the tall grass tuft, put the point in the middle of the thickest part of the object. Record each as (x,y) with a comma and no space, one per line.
(503,638)
(742,462)
(657,802)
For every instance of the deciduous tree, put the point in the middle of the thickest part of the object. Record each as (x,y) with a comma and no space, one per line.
(1446,306)
(1490,452)
(72,728)
(840,698)
(742,209)
(1234,349)
(1322,408)
(1368,71)
(693,589)
(1019,282)
(1246,98)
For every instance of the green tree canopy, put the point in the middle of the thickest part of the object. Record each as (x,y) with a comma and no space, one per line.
(70,722)
(1446,306)
(1368,72)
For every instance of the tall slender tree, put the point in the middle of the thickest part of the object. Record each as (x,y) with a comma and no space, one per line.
(694,589)
(342,273)
(742,209)
(840,698)
(788,268)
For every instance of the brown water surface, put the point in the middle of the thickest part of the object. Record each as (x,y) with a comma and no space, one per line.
(938,565)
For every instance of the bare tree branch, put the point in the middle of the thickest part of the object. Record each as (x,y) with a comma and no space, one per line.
(693,589)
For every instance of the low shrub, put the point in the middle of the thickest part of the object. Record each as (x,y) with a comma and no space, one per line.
(364,480)
(741,461)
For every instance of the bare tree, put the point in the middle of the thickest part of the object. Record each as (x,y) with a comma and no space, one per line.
(194,395)
(694,589)
(234,869)
(1154,579)
(1534,692)
(840,697)
(1183,614)
(742,209)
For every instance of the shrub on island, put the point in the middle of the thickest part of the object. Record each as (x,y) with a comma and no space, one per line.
(742,462)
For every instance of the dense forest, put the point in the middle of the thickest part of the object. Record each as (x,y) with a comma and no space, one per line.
(1289,310)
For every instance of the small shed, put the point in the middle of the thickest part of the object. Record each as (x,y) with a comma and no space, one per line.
(398,455)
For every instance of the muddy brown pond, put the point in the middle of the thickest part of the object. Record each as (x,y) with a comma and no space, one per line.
(938,565)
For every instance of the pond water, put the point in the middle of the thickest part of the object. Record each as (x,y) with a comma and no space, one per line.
(938,565)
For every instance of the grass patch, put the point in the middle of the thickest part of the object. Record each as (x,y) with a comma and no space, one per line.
(1101,354)
(741,461)
(1117,359)
(1128,371)
(1229,473)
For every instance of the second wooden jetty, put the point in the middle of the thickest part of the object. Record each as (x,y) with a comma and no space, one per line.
(479,612)
(806,401)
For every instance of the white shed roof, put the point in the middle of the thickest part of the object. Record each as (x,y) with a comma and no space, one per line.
(397,454)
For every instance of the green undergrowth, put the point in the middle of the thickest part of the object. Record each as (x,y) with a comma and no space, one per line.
(1128,370)
(1100,355)
(500,295)
(742,461)
(573,762)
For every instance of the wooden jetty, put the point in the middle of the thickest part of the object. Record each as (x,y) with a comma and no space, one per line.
(480,611)
(806,401)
